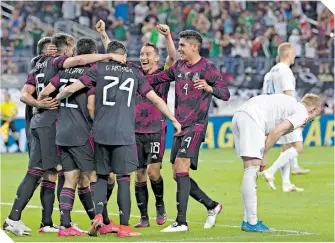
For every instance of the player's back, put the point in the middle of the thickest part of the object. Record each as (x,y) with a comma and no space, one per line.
(270,110)
(49,68)
(115,89)
(279,79)
(73,113)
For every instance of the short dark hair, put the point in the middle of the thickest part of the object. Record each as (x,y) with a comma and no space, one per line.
(42,44)
(85,45)
(116,47)
(62,40)
(191,35)
(152,45)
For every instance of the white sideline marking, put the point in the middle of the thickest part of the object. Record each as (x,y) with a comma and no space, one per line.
(290,232)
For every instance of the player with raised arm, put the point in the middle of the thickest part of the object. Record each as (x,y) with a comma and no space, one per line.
(150,127)
(280,80)
(43,124)
(197,80)
(76,151)
(272,116)
(32,178)
(116,85)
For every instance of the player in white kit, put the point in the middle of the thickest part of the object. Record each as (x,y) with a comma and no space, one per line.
(271,116)
(280,80)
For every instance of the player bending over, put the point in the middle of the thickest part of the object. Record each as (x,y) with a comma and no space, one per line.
(116,85)
(280,80)
(272,116)
(197,80)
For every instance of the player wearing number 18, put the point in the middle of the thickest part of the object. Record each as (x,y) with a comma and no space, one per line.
(197,80)
(115,85)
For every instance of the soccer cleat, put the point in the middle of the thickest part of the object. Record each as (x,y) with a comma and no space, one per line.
(25,228)
(76,226)
(14,227)
(244,226)
(160,215)
(291,188)
(175,227)
(72,231)
(259,227)
(96,225)
(110,228)
(300,171)
(211,218)
(126,231)
(144,223)
(269,179)
(48,229)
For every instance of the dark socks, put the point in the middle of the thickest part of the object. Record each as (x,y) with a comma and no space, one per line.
(65,205)
(200,196)
(25,191)
(110,188)
(142,197)
(158,189)
(47,196)
(100,194)
(85,197)
(183,192)
(123,198)
(60,184)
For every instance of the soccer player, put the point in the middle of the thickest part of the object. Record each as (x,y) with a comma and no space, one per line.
(116,85)
(280,80)
(272,116)
(150,127)
(76,154)
(197,80)
(8,112)
(43,124)
(32,178)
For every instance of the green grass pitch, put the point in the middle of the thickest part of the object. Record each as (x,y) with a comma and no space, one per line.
(306,216)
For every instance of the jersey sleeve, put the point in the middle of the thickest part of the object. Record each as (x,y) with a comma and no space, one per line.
(287,80)
(55,81)
(31,80)
(89,77)
(214,78)
(58,62)
(163,76)
(91,91)
(143,85)
(299,117)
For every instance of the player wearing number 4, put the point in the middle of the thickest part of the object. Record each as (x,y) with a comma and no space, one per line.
(197,80)
(150,128)
(115,86)
(280,80)
(272,116)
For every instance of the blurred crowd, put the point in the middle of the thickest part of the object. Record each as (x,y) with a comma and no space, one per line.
(233,30)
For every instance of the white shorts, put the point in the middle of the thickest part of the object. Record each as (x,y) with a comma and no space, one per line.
(295,136)
(248,136)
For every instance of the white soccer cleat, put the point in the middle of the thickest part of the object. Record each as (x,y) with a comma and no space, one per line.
(25,228)
(175,227)
(14,227)
(211,217)
(291,188)
(49,229)
(300,171)
(269,178)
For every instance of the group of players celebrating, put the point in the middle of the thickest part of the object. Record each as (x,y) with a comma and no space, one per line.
(98,118)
